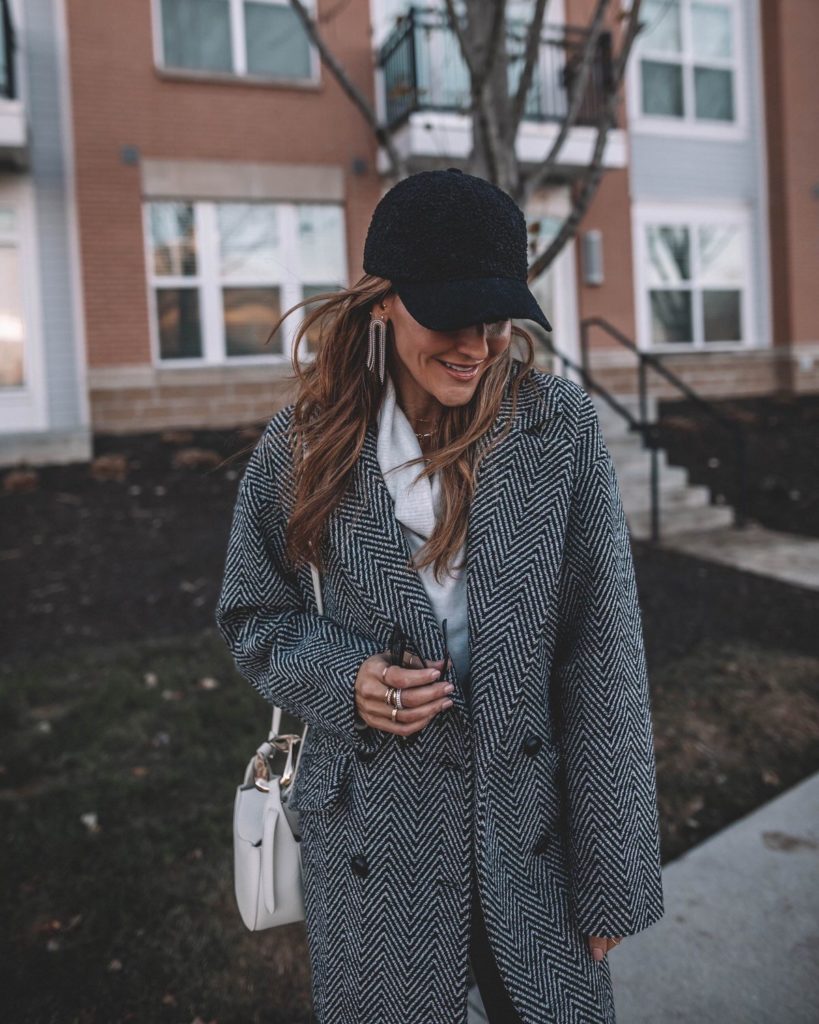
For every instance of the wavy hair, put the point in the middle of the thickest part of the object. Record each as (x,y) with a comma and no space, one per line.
(337,397)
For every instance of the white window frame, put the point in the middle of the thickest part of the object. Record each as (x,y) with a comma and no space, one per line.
(24,408)
(688,126)
(238,50)
(692,216)
(208,280)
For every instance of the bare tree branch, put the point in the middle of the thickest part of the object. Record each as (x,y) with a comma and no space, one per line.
(591,181)
(530,56)
(496,117)
(486,133)
(381,131)
(544,170)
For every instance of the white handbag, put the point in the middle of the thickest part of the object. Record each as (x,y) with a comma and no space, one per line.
(266,854)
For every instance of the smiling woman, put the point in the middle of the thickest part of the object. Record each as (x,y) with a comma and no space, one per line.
(497,814)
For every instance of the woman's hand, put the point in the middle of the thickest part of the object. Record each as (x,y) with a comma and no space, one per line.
(421,696)
(601,944)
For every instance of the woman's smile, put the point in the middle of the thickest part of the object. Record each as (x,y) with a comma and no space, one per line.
(460,371)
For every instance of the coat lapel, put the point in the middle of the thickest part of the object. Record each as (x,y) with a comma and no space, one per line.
(513,552)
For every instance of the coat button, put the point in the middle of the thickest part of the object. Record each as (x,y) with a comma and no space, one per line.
(543,843)
(365,755)
(360,865)
(532,744)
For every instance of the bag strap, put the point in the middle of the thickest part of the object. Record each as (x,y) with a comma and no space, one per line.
(277,711)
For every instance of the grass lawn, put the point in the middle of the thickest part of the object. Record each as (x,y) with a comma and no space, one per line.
(118,770)
(130,915)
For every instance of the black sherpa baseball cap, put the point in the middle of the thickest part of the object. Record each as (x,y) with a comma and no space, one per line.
(454,248)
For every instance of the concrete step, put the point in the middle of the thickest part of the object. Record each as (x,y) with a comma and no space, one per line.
(631,403)
(684,508)
(638,499)
(680,520)
(629,457)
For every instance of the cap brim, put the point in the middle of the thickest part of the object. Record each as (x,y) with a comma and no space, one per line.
(451,305)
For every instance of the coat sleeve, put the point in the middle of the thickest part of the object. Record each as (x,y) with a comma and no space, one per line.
(604,718)
(300,661)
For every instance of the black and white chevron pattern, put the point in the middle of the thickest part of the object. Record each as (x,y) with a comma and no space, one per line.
(550,782)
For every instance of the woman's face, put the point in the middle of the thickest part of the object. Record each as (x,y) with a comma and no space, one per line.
(421,354)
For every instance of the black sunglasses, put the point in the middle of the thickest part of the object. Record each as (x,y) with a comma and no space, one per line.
(400,643)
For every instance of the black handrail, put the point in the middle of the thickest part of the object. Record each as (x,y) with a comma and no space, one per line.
(8,44)
(649,431)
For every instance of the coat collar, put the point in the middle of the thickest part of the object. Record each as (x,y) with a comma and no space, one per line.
(512,559)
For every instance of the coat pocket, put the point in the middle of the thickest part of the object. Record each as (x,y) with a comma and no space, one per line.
(319,781)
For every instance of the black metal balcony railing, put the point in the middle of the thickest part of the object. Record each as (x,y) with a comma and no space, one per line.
(423,69)
(8,84)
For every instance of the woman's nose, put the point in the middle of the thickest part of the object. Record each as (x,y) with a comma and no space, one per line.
(472,340)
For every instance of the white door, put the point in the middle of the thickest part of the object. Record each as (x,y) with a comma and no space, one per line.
(556,288)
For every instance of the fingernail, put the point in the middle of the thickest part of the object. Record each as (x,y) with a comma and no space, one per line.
(447,704)
(597,953)
(434,673)
(449,688)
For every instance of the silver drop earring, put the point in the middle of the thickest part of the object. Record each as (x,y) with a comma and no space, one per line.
(376,352)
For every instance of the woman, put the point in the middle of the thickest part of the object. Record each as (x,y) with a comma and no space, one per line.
(509,823)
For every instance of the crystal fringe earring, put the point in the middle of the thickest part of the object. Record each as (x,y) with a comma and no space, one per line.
(376,352)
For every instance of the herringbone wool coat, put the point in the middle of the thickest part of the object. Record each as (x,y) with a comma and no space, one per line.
(550,781)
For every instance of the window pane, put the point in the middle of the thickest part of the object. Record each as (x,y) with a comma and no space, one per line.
(8,220)
(11,319)
(662,25)
(662,88)
(311,338)
(669,254)
(250,241)
(178,316)
(276,42)
(721,314)
(321,242)
(670,317)
(250,314)
(711,28)
(721,254)
(196,34)
(714,94)
(173,237)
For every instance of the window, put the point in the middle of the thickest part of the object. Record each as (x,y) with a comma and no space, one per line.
(687,63)
(222,273)
(12,324)
(694,275)
(260,38)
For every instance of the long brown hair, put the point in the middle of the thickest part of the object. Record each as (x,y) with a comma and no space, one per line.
(337,397)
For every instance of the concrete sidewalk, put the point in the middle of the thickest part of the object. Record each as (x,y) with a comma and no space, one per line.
(739,941)
(788,557)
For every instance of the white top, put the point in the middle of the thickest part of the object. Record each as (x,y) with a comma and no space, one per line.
(416,507)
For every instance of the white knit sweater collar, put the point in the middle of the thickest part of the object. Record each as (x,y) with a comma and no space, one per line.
(416,503)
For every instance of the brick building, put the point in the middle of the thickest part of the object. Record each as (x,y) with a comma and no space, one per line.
(176,172)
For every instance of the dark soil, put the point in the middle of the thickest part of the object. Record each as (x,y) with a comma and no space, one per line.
(782,440)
